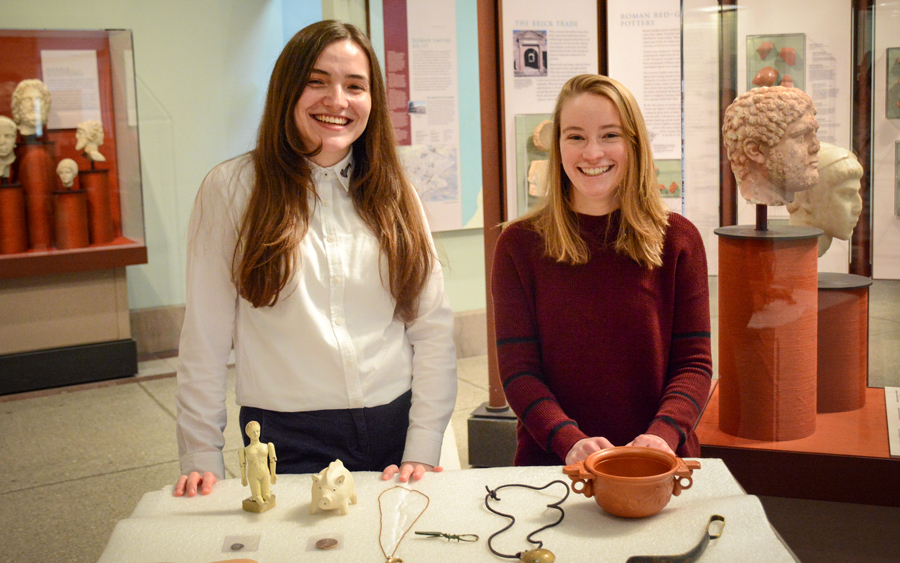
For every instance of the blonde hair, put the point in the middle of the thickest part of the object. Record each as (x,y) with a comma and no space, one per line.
(644,216)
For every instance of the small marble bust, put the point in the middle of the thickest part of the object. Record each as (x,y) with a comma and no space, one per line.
(770,137)
(7,145)
(67,170)
(31,106)
(834,203)
(88,138)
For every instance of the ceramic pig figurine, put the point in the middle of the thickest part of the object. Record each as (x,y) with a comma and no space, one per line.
(333,489)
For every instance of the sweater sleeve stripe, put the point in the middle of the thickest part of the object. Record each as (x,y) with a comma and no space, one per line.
(557,428)
(688,397)
(699,334)
(516,340)
(535,403)
(516,376)
(682,437)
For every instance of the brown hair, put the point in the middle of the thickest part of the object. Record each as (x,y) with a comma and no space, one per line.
(277,214)
(644,216)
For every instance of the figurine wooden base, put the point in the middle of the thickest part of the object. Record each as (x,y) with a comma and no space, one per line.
(251,505)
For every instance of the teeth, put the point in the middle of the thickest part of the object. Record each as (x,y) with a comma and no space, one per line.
(332,120)
(595,171)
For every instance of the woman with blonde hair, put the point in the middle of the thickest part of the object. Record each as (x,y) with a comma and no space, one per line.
(601,296)
(312,256)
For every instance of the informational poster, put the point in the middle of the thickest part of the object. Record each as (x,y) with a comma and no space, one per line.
(422,89)
(544,44)
(649,31)
(892,409)
(74,84)
(885,149)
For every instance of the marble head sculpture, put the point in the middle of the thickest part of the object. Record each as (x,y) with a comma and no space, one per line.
(31,106)
(770,138)
(834,203)
(88,138)
(8,132)
(67,169)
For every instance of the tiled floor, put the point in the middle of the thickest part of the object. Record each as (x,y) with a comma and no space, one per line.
(77,460)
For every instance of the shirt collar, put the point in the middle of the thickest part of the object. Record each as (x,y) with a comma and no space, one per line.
(341,170)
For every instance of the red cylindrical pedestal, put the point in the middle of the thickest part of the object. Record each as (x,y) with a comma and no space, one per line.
(13,228)
(96,182)
(37,173)
(71,219)
(767,332)
(843,359)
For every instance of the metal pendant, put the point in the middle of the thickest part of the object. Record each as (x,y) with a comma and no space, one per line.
(537,556)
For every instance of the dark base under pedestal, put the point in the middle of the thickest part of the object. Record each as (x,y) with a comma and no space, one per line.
(492,437)
(71,365)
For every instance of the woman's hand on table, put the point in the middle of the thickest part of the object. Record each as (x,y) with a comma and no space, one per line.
(187,484)
(409,470)
(651,441)
(586,447)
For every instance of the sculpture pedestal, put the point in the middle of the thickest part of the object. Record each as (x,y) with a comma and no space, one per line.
(37,173)
(71,219)
(767,332)
(13,228)
(843,342)
(96,183)
(250,505)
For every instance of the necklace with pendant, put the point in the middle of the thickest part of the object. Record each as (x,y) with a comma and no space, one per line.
(390,558)
(538,554)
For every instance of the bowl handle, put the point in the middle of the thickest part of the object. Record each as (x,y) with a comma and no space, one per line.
(683,475)
(577,474)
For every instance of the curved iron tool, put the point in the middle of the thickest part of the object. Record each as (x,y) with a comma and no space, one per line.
(691,555)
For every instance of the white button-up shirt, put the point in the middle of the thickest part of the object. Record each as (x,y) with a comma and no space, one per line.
(330,342)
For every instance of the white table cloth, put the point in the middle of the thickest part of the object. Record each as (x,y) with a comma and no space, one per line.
(163,528)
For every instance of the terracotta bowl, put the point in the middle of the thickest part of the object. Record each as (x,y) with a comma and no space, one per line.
(631,481)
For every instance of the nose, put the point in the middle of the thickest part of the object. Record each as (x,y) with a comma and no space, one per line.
(592,150)
(336,97)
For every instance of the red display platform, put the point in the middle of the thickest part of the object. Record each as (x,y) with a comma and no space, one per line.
(847,458)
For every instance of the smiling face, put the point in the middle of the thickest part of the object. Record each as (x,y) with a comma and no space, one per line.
(335,104)
(792,163)
(593,151)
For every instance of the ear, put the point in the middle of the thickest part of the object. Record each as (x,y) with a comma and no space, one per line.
(315,478)
(339,480)
(754,151)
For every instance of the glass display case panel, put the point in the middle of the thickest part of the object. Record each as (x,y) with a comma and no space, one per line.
(53,222)
(782,293)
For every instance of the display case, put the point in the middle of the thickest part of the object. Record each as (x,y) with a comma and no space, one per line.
(807,314)
(71,198)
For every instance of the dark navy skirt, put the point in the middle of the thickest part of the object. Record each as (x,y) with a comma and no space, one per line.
(366,439)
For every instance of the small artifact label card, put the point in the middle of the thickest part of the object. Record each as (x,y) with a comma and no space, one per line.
(892,406)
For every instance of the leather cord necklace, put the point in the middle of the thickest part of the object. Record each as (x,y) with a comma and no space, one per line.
(539,554)
(390,558)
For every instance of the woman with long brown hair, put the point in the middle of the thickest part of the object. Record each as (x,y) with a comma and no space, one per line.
(312,256)
(601,296)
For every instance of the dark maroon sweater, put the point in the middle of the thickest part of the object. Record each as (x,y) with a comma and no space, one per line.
(608,348)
